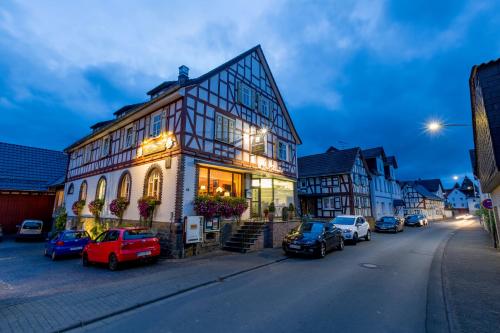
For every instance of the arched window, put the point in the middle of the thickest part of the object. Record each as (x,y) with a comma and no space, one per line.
(71,188)
(153,183)
(124,186)
(100,192)
(83,191)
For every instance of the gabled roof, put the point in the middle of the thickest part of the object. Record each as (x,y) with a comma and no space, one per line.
(432,185)
(426,193)
(391,160)
(25,168)
(101,124)
(374,152)
(127,108)
(328,163)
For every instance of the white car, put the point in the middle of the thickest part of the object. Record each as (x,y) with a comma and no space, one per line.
(30,229)
(354,227)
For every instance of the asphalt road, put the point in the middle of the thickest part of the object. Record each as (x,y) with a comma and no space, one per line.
(340,292)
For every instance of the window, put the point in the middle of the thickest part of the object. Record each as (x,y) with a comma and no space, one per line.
(224,129)
(245,95)
(337,203)
(219,182)
(282,151)
(105,146)
(83,191)
(329,203)
(124,186)
(71,188)
(88,153)
(129,136)
(335,182)
(100,192)
(155,128)
(153,183)
(264,106)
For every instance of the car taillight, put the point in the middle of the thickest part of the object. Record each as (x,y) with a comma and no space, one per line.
(60,243)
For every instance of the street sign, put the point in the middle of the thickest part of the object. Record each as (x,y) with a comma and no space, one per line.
(487,203)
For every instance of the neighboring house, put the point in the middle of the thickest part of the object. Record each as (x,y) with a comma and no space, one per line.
(457,200)
(31,184)
(385,192)
(334,183)
(464,198)
(419,200)
(484,84)
(225,133)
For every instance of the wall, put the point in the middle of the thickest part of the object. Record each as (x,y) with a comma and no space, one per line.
(14,208)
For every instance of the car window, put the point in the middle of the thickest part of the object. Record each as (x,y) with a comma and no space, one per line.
(112,236)
(55,236)
(75,235)
(311,227)
(100,238)
(32,225)
(344,220)
(137,234)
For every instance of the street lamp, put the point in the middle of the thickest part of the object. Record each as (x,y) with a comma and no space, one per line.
(435,126)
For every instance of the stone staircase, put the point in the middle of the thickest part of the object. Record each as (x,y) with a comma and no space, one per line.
(245,237)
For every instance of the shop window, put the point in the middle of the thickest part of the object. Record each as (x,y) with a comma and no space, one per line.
(219,182)
(101,189)
(153,183)
(83,191)
(124,186)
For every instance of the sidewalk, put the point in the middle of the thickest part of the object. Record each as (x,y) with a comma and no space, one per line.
(471,281)
(87,302)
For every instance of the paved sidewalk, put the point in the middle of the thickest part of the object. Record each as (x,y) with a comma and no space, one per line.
(86,301)
(471,279)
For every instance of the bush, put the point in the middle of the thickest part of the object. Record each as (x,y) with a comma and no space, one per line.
(77,207)
(117,207)
(210,206)
(61,218)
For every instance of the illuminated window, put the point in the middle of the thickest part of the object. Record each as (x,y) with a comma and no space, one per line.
(153,183)
(101,189)
(124,186)
(83,191)
(155,128)
(219,182)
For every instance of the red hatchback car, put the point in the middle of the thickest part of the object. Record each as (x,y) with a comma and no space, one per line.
(118,245)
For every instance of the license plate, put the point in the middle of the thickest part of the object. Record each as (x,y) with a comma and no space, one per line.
(76,248)
(293,246)
(144,253)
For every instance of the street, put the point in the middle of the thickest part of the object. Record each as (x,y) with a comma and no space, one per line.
(339,292)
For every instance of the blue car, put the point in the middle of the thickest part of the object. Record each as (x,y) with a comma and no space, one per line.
(66,243)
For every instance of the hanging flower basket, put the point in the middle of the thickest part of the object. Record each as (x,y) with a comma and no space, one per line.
(146,207)
(95,207)
(77,207)
(117,208)
(227,207)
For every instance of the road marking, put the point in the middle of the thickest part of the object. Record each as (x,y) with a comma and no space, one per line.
(368,265)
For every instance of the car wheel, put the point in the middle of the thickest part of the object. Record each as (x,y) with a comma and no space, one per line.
(85,260)
(341,245)
(112,262)
(53,256)
(368,236)
(322,250)
(355,239)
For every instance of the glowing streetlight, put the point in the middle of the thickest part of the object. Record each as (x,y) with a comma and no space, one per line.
(435,126)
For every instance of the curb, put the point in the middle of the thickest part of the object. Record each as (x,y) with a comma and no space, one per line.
(167,296)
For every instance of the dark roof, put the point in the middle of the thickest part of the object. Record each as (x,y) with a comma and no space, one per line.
(101,124)
(25,168)
(329,163)
(127,108)
(425,192)
(374,152)
(162,86)
(392,161)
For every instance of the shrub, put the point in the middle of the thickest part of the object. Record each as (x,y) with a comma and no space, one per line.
(210,206)
(146,206)
(61,218)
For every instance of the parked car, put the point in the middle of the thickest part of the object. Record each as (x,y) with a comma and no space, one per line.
(66,243)
(30,229)
(313,238)
(389,223)
(416,220)
(354,227)
(119,245)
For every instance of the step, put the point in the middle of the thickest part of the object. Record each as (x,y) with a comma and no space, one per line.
(235,249)
(238,243)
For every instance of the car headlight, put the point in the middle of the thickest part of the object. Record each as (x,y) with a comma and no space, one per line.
(347,230)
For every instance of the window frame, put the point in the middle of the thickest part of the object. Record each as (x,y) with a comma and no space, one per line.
(82,195)
(234,184)
(231,129)
(106,144)
(153,170)
(98,189)
(71,189)
(123,177)
(244,87)
(126,143)
(264,101)
(285,145)
(152,125)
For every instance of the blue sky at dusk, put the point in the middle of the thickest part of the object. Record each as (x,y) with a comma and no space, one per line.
(353,73)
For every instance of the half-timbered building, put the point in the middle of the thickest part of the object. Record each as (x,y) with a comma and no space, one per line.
(334,183)
(227,132)
(419,200)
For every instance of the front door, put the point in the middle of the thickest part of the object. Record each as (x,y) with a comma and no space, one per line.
(256,207)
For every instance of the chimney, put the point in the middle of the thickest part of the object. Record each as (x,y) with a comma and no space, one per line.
(183,75)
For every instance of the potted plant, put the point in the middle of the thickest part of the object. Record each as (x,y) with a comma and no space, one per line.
(117,208)
(146,206)
(272,210)
(291,211)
